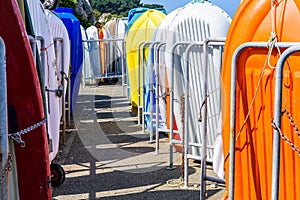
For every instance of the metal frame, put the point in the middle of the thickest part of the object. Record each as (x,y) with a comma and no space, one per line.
(4,189)
(65,103)
(275,171)
(107,43)
(142,46)
(63,117)
(171,86)
(277,118)
(203,177)
(151,90)
(157,76)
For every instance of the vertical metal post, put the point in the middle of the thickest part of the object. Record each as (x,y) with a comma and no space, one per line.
(139,81)
(157,77)
(84,73)
(152,66)
(107,58)
(43,53)
(186,114)
(3,121)
(204,127)
(277,119)
(63,117)
(146,45)
(33,47)
(123,66)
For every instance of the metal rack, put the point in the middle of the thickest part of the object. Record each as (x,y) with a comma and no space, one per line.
(277,111)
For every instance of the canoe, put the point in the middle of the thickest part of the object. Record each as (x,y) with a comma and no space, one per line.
(94,51)
(102,34)
(120,34)
(88,72)
(133,15)
(26,109)
(41,28)
(62,54)
(73,26)
(254,145)
(110,28)
(142,30)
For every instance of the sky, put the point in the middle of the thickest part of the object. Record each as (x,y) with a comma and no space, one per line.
(229,6)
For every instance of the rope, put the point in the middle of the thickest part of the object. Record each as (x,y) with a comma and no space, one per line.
(271,43)
(182,114)
(252,102)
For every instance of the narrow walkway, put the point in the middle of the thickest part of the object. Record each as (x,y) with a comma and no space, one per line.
(110,158)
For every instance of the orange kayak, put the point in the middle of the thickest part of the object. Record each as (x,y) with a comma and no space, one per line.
(254,102)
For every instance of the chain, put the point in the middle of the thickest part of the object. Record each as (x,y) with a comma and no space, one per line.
(7,168)
(182,114)
(286,139)
(17,136)
(293,123)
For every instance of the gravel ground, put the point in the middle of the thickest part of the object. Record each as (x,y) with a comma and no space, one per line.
(109,157)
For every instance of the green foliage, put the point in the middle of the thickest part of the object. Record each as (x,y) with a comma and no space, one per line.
(72,4)
(152,6)
(113,8)
(68,4)
(118,7)
(96,13)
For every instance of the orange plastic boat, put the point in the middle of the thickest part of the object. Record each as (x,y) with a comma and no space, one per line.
(102,35)
(254,145)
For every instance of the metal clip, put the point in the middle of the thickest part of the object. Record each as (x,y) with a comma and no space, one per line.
(18,139)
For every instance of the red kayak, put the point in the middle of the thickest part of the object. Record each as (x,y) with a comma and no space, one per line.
(26,113)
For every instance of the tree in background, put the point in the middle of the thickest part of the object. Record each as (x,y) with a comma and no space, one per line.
(102,9)
(84,21)
(119,7)
(152,6)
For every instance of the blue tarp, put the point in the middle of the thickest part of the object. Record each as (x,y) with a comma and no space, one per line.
(73,26)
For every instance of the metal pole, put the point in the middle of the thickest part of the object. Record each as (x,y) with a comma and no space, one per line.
(186,114)
(43,53)
(33,47)
(3,121)
(277,119)
(123,66)
(171,88)
(139,81)
(146,44)
(84,70)
(152,59)
(236,54)
(203,176)
(107,57)
(63,117)
(157,66)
